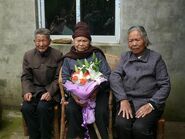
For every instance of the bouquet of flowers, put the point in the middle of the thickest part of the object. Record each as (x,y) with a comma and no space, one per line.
(84,81)
(86,78)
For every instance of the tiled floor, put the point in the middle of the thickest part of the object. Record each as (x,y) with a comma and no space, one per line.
(12,127)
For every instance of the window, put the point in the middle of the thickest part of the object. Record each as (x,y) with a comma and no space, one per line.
(102,16)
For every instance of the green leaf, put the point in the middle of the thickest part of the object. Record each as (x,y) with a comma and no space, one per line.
(94,56)
(96,60)
(84,70)
(76,68)
(86,63)
(79,63)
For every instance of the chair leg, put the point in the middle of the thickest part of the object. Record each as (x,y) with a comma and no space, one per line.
(96,130)
(110,116)
(63,122)
(25,128)
(160,128)
(56,134)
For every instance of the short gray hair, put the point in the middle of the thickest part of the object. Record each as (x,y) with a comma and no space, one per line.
(42,31)
(143,33)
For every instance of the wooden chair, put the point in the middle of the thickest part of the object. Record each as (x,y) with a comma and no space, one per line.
(112,60)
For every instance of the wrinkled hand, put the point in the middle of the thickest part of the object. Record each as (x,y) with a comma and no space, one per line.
(125,108)
(144,110)
(46,96)
(63,101)
(27,96)
(77,100)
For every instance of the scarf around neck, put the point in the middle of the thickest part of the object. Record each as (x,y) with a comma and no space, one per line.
(73,54)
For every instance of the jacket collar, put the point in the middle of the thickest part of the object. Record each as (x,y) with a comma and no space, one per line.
(144,57)
(43,54)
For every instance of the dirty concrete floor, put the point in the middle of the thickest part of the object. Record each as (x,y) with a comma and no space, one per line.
(12,127)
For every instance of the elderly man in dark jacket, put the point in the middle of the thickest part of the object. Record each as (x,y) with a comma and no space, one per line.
(39,85)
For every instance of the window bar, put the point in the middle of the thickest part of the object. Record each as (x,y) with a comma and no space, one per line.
(41,13)
(78,16)
(117,19)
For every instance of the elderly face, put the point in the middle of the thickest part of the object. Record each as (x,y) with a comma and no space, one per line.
(42,42)
(81,43)
(136,42)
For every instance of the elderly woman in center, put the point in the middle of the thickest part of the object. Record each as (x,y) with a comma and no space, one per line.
(141,85)
(81,50)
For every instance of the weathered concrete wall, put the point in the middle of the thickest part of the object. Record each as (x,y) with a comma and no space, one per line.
(164,21)
(17,22)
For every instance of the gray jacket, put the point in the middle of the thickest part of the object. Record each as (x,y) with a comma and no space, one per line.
(141,80)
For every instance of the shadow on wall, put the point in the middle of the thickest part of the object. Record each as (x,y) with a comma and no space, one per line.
(174,109)
(1,110)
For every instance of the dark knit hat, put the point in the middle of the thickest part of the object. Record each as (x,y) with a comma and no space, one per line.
(82,29)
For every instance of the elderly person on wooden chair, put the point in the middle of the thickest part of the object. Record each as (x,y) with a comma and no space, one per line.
(85,73)
(40,85)
(141,85)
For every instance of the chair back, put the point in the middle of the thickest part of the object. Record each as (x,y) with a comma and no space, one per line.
(112,60)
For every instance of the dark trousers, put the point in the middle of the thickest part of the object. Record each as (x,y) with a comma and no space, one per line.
(38,116)
(74,117)
(137,128)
